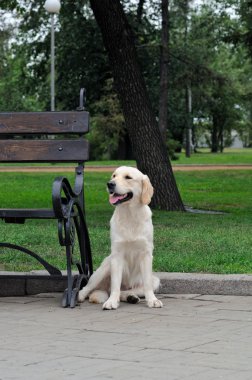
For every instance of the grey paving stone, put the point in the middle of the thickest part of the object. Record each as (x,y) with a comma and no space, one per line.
(194,337)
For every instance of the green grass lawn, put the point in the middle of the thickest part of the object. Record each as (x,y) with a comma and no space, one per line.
(230,156)
(204,156)
(184,242)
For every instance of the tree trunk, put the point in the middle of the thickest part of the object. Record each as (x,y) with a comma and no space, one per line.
(140,10)
(188,99)
(215,141)
(221,138)
(148,147)
(249,140)
(164,60)
(188,132)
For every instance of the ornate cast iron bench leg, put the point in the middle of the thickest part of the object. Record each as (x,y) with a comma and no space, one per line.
(69,208)
(75,281)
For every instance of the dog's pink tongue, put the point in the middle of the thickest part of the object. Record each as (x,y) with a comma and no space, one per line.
(115,198)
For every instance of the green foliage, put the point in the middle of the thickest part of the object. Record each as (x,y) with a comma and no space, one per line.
(210,50)
(173,146)
(107,126)
(13,91)
(79,61)
(81,57)
(217,85)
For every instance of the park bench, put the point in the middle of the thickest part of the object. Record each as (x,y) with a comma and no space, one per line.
(53,137)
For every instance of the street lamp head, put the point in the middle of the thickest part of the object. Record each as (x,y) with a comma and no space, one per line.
(52,6)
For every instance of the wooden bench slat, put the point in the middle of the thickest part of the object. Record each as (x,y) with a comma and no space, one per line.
(44,123)
(44,150)
(23,213)
(28,213)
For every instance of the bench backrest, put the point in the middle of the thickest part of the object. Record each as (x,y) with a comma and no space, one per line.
(25,136)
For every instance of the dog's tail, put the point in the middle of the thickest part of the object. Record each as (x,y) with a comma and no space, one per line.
(98,296)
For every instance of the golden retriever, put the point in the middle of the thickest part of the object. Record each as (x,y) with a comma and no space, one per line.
(126,274)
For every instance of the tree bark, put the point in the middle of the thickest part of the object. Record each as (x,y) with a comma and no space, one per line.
(188,132)
(148,147)
(140,10)
(215,141)
(164,61)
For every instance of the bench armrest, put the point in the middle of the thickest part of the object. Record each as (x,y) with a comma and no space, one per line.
(64,197)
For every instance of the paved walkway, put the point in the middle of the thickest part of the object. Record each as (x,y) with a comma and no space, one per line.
(197,337)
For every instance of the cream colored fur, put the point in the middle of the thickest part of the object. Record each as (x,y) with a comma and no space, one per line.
(126,273)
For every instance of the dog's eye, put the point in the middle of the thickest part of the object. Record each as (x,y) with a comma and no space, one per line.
(128,177)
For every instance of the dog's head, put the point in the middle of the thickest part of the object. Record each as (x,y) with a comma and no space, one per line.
(128,184)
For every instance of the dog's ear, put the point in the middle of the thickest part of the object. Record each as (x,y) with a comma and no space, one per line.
(147,190)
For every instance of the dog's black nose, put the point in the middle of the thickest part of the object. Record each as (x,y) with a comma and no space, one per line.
(111,185)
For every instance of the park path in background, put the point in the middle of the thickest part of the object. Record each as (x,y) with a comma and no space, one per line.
(109,169)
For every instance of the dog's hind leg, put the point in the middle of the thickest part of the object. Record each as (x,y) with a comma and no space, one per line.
(98,296)
(155,283)
(131,296)
(97,277)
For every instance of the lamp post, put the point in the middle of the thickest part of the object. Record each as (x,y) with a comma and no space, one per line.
(52,6)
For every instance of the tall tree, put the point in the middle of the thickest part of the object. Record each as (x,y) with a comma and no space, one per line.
(148,146)
(164,61)
(186,8)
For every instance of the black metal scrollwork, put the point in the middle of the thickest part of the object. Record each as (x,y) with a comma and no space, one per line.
(68,206)
(50,268)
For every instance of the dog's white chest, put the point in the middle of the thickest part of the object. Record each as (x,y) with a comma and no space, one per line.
(126,228)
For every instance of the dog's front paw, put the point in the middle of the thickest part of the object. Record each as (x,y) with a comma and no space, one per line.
(154,303)
(82,295)
(110,304)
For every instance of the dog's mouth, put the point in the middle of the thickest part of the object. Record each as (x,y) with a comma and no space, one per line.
(116,199)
